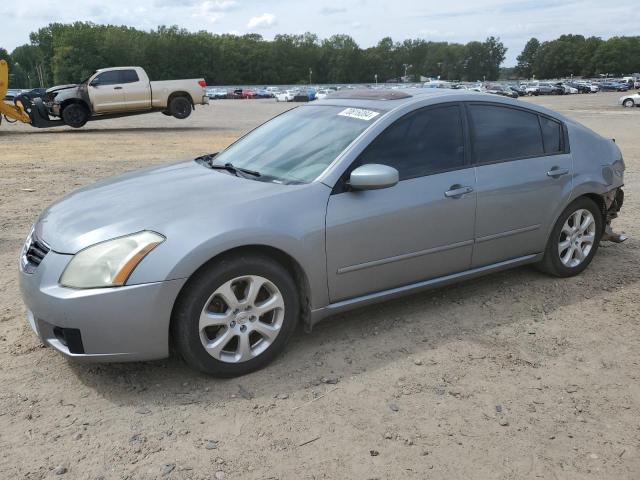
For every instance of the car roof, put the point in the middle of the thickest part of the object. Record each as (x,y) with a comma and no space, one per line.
(389,100)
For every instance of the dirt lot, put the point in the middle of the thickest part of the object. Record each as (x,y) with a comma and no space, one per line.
(512,376)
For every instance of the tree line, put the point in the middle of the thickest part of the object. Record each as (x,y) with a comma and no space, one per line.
(67,53)
(579,56)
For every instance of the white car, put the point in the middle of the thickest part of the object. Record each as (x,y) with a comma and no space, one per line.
(322,93)
(286,96)
(568,89)
(632,100)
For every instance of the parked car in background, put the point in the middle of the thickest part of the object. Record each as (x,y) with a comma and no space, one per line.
(327,207)
(532,89)
(286,96)
(12,93)
(630,100)
(548,88)
(263,93)
(216,93)
(322,93)
(243,93)
(567,89)
(581,87)
(305,95)
(123,90)
(613,87)
(503,90)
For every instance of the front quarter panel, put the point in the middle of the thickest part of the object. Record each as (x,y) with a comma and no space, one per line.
(292,221)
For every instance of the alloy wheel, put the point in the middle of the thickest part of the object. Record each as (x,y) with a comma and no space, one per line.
(241,319)
(577,238)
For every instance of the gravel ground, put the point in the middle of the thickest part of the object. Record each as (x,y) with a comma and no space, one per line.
(513,376)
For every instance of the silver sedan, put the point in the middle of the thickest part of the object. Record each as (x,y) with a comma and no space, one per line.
(354,199)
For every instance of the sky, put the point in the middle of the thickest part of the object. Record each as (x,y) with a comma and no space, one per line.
(367,21)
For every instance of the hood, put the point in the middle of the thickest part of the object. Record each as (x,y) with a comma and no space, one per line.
(62,87)
(160,199)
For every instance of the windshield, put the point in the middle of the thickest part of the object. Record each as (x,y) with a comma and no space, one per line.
(298,145)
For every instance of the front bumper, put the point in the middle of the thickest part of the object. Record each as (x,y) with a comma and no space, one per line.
(120,324)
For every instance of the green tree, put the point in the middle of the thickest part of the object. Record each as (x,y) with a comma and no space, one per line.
(527,59)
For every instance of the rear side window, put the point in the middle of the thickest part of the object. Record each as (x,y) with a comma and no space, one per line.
(128,76)
(503,133)
(552,135)
(111,77)
(421,143)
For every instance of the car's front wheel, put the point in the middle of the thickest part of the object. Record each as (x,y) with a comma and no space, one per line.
(629,103)
(574,239)
(235,315)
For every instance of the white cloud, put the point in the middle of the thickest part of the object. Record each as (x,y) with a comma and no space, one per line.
(262,21)
(331,10)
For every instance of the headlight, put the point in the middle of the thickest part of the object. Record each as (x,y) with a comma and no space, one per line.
(110,263)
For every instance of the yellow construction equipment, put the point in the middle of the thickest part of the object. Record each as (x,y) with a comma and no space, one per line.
(14,112)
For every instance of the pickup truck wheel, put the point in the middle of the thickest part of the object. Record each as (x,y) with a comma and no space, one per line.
(235,315)
(180,107)
(75,115)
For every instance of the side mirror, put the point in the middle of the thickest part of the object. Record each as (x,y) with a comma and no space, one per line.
(373,177)
(95,83)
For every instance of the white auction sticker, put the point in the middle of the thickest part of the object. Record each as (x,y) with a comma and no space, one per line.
(359,113)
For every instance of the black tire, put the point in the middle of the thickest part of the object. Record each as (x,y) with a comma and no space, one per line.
(186,313)
(180,107)
(629,103)
(551,262)
(75,115)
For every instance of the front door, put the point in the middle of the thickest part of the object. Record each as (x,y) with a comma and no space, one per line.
(421,228)
(524,174)
(106,92)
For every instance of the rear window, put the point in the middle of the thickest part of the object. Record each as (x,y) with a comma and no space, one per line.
(129,76)
(503,133)
(552,135)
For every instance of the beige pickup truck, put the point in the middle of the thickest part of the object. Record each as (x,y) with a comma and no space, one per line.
(121,91)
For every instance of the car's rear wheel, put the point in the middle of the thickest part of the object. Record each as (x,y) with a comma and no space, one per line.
(574,239)
(236,315)
(629,103)
(75,115)
(180,107)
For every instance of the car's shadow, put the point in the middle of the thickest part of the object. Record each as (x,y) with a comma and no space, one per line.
(373,337)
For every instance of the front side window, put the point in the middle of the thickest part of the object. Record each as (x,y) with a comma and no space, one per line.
(111,77)
(297,146)
(422,143)
(503,133)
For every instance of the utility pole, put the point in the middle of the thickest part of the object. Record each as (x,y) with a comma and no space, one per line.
(310,72)
(376,77)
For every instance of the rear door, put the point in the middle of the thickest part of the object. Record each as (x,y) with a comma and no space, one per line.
(419,229)
(106,92)
(524,178)
(137,92)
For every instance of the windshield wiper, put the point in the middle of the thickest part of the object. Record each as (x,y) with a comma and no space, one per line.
(233,169)
(229,167)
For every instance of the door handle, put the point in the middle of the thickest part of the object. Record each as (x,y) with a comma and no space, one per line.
(117,88)
(556,172)
(456,191)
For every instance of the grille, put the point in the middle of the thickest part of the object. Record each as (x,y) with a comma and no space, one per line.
(34,253)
